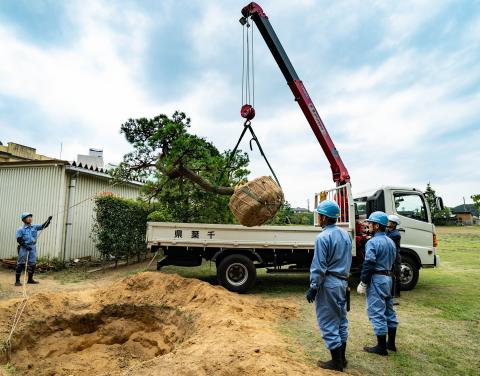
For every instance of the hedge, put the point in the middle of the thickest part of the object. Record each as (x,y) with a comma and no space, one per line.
(119,228)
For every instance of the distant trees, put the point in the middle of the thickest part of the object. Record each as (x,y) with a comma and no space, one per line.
(287,216)
(476,201)
(438,216)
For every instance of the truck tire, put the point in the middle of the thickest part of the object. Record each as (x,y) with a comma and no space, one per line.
(409,273)
(236,273)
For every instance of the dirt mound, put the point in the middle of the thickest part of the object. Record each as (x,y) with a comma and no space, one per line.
(114,337)
(151,324)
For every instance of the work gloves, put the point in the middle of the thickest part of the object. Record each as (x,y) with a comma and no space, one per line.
(362,288)
(47,222)
(311,294)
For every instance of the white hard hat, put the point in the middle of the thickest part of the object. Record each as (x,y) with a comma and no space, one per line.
(394,218)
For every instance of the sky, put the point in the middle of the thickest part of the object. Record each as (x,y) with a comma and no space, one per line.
(397,84)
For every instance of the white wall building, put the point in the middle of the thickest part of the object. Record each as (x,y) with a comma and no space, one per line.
(59,188)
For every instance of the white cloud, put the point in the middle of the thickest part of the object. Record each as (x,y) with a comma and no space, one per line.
(86,88)
(381,116)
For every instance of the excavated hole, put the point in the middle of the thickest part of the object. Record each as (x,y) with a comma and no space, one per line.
(112,339)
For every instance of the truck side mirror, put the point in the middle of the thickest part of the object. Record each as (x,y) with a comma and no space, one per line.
(439,203)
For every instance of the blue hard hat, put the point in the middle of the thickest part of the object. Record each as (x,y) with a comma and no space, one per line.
(328,208)
(25,215)
(378,217)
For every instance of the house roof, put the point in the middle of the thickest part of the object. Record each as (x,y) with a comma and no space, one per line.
(69,166)
(465,209)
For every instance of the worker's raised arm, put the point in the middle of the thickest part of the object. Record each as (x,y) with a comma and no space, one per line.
(45,224)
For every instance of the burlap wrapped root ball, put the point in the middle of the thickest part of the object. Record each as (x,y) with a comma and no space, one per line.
(257,201)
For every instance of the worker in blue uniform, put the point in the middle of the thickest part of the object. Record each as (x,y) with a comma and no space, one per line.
(376,282)
(27,236)
(393,233)
(329,283)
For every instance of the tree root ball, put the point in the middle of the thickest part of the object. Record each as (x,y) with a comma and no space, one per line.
(257,201)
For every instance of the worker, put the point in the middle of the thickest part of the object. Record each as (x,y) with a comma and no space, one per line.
(394,234)
(27,236)
(376,282)
(329,283)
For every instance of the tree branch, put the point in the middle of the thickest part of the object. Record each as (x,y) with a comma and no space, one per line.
(185,172)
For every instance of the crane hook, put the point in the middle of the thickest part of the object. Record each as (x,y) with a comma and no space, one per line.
(247,112)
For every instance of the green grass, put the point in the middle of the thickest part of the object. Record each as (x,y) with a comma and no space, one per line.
(439,332)
(9,369)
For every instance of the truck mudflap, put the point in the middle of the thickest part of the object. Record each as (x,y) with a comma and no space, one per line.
(436,261)
(193,260)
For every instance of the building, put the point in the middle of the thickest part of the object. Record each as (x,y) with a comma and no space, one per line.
(59,188)
(15,152)
(299,210)
(94,158)
(466,214)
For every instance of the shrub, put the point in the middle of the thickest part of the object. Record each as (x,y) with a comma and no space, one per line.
(120,227)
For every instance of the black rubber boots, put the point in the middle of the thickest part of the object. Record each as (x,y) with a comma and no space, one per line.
(380,349)
(337,362)
(392,333)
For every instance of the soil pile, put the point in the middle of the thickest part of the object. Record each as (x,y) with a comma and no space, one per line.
(151,324)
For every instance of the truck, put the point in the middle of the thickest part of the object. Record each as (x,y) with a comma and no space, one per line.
(239,251)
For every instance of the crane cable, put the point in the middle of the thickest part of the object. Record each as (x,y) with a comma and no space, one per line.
(248,66)
(248,99)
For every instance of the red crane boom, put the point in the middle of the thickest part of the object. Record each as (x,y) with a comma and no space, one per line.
(256,13)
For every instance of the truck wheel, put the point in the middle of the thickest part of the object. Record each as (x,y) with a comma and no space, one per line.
(236,273)
(409,273)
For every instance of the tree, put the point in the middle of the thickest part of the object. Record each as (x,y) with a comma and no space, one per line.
(287,216)
(431,198)
(182,171)
(438,216)
(476,201)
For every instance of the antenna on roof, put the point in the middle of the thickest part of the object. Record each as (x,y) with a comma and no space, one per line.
(61,149)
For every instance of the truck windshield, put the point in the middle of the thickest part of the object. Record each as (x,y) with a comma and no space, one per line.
(411,205)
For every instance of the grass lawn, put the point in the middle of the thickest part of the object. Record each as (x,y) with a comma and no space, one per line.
(439,331)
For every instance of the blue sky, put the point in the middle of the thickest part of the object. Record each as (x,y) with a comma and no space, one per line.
(396,83)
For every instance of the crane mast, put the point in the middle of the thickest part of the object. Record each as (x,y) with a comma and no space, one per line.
(256,13)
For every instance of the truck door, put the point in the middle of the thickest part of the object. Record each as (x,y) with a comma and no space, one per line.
(416,228)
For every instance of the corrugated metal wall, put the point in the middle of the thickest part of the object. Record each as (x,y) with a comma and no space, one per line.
(82,215)
(43,190)
(37,189)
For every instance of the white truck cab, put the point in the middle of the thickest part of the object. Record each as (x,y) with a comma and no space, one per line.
(416,228)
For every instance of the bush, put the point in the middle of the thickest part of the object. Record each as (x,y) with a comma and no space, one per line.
(160,214)
(120,227)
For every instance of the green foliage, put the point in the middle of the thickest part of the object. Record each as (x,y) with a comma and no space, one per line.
(167,156)
(120,227)
(287,216)
(161,214)
(476,201)
(439,217)
(9,369)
